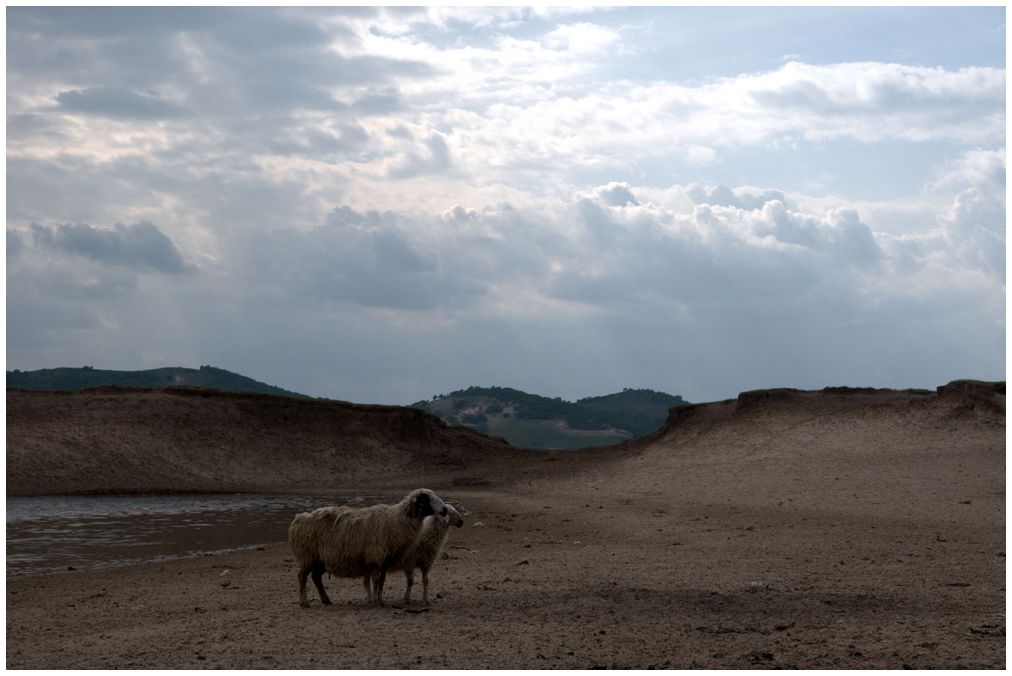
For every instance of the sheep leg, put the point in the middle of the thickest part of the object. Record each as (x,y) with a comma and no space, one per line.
(303,574)
(410,576)
(425,586)
(379,586)
(318,581)
(367,581)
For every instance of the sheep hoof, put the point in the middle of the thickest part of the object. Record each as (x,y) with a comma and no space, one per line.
(304,604)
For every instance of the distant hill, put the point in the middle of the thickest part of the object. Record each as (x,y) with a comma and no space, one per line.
(534,421)
(73,379)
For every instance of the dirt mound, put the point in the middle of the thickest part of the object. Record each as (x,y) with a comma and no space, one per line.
(986,399)
(975,395)
(112,439)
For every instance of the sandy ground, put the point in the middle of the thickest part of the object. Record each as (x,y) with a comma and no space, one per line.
(828,532)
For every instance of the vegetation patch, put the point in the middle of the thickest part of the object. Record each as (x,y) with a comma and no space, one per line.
(533,421)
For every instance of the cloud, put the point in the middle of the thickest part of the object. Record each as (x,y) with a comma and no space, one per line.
(616,194)
(743,198)
(141,246)
(744,277)
(980,167)
(796,104)
(845,87)
(368,259)
(513,183)
(697,154)
(434,157)
(383,101)
(974,227)
(210,60)
(460,214)
(499,107)
(602,252)
(582,38)
(116,102)
(15,243)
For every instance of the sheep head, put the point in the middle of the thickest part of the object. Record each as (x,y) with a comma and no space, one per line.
(423,502)
(453,517)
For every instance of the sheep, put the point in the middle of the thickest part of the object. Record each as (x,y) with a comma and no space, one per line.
(357,542)
(425,551)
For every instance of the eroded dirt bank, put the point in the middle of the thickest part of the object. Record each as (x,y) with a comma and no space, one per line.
(783,529)
(131,440)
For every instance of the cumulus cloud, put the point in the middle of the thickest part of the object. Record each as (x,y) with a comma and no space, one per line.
(975,227)
(599,253)
(141,246)
(616,194)
(743,198)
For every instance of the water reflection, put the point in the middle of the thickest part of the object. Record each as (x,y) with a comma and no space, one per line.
(48,534)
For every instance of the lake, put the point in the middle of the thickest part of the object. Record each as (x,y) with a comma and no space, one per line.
(53,533)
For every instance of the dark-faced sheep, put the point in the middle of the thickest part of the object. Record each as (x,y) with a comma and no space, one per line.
(358,542)
(426,551)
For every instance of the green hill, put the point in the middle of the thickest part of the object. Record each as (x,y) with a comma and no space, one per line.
(534,421)
(81,378)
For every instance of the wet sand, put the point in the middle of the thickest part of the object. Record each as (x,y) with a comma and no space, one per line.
(828,533)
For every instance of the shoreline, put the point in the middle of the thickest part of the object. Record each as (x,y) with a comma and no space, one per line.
(563,574)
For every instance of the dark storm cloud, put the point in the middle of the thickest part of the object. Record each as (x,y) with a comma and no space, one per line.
(141,246)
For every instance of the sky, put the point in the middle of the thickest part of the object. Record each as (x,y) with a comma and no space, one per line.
(380,205)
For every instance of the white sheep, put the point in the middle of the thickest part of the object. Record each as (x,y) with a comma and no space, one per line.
(357,542)
(425,552)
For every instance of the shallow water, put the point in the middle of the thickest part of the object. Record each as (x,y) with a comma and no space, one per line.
(54,533)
